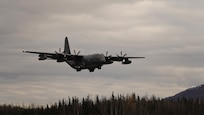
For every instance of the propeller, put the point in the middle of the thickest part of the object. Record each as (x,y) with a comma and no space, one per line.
(122,55)
(59,51)
(108,56)
(106,53)
(61,57)
(77,52)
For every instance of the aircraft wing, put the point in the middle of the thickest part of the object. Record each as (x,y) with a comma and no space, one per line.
(45,55)
(60,57)
(39,52)
(119,58)
(123,59)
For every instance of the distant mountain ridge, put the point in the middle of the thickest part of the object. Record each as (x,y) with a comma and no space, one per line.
(191,93)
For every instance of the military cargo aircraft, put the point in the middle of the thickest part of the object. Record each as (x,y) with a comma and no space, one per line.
(79,62)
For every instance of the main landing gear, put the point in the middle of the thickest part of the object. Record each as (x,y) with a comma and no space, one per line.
(78,70)
(91,70)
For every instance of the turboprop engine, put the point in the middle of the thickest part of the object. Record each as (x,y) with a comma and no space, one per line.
(126,61)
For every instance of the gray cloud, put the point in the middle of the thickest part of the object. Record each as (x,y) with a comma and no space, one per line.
(168,33)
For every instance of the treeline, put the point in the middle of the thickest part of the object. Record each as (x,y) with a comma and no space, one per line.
(115,105)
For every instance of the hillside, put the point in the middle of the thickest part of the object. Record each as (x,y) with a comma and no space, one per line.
(191,93)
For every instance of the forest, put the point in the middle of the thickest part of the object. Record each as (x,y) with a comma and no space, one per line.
(114,105)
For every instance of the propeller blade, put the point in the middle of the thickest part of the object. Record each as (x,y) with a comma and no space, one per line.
(106,53)
(121,54)
(78,53)
(74,52)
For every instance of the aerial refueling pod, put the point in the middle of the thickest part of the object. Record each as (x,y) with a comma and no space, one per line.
(42,57)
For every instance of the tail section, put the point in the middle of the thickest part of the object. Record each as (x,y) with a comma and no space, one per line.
(66,46)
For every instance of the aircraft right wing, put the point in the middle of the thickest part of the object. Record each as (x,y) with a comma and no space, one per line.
(122,58)
(116,58)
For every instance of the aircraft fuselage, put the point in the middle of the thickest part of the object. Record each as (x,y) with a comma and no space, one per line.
(88,62)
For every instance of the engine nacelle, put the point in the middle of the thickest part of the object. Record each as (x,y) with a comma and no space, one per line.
(42,57)
(126,61)
(108,62)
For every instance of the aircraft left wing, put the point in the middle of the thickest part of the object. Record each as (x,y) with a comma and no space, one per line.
(60,57)
(45,55)
(39,52)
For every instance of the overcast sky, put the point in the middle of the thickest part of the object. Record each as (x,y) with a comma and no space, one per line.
(169,33)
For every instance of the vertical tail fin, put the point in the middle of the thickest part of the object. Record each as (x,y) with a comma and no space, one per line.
(66,46)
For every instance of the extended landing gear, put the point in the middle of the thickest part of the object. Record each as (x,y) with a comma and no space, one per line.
(78,70)
(91,70)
